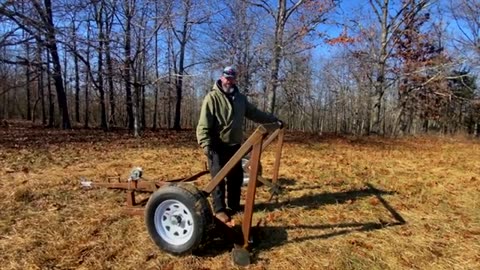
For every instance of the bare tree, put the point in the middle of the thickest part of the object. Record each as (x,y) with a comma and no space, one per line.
(129,11)
(87,79)
(42,28)
(109,16)
(99,15)
(40,82)
(314,13)
(77,73)
(157,72)
(190,14)
(236,38)
(145,56)
(51,105)
(466,14)
(46,15)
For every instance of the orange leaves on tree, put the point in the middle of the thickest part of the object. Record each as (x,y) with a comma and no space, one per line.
(342,39)
(318,6)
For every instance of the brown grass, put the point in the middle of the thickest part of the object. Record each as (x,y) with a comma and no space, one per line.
(367,203)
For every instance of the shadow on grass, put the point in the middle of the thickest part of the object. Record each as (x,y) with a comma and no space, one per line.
(280,235)
(312,201)
(271,236)
(286,182)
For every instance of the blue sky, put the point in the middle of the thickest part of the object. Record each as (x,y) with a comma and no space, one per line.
(361,11)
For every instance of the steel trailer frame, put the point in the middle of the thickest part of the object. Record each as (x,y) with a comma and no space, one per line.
(256,143)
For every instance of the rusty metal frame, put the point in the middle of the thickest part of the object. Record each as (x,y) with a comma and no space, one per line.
(131,186)
(275,189)
(256,143)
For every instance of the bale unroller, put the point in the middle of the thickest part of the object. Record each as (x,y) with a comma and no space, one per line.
(178,215)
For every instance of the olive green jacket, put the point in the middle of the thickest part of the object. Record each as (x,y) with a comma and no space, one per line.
(221,118)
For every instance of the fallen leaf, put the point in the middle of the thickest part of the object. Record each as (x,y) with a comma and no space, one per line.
(374,201)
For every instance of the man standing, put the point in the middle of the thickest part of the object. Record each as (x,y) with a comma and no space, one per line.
(220,134)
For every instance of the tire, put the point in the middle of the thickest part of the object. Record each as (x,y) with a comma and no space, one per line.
(177,218)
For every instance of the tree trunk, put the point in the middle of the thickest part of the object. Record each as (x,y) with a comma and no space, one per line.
(143,78)
(51,107)
(57,68)
(40,85)
(178,103)
(179,83)
(169,105)
(101,90)
(77,76)
(28,87)
(65,71)
(157,79)
(136,98)
(111,90)
(181,67)
(127,66)
(5,103)
(380,81)
(144,122)
(87,83)
(277,54)
(170,59)
(108,25)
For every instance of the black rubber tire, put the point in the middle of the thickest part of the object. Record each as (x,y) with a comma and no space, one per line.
(194,201)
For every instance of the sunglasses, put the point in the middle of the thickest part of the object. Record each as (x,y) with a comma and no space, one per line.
(230,72)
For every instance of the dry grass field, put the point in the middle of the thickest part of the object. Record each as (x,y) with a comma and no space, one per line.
(348,203)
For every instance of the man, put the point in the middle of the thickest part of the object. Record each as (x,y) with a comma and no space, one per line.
(220,134)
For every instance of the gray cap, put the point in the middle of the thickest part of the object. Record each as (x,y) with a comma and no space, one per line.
(229,72)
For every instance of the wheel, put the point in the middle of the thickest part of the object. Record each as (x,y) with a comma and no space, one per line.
(177,218)
(246,171)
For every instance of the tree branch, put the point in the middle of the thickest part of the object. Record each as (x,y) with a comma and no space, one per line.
(264,5)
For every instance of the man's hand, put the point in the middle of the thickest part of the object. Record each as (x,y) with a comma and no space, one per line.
(280,123)
(207,150)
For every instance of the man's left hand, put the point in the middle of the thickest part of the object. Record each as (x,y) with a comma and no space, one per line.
(207,151)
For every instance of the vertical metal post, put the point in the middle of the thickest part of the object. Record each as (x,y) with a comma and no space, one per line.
(130,198)
(250,200)
(266,143)
(278,155)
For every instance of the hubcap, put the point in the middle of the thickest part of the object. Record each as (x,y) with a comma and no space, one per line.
(174,222)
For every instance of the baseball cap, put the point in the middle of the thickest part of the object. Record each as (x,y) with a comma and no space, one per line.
(229,72)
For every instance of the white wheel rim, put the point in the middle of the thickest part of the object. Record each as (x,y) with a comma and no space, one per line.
(174,222)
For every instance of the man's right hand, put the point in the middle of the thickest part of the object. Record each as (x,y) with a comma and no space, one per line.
(280,123)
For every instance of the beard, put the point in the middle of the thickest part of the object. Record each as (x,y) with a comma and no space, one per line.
(229,89)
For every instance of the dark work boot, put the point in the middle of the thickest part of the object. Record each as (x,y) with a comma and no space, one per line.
(222,216)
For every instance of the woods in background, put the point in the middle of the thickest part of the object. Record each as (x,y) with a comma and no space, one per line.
(387,67)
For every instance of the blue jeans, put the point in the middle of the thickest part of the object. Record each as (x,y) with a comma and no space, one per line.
(218,157)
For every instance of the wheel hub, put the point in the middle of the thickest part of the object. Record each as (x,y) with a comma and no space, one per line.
(174,222)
